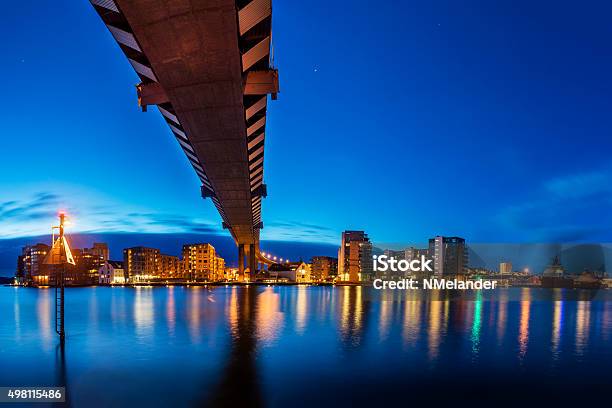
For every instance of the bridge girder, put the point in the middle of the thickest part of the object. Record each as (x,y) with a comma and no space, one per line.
(206,66)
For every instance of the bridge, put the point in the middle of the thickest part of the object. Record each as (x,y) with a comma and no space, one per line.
(206,65)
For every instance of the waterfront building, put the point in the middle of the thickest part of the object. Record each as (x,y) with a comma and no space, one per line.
(30,267)
(355,257)
(85,270)
(98,249)
(398,255)
(411,254)
(449,254)
(141,263)
(323,268)
(88,261)
(170,267)
(480,271)
(230,274)
(202,263)
(19,273)
(219,269)
(294,272)
(111,273)
(505,268)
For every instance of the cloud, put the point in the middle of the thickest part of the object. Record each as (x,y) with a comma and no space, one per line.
(88,213)
(173,221)
(581,185)
(571,208)
(6,204)
(34,208)
(296,224)
(34,216)
(299,231)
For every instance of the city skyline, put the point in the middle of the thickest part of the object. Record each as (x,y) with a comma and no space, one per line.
(484,95)
(528,258)
(203,203)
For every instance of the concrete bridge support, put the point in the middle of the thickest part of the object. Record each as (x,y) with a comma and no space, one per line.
(240,262)
(252,261)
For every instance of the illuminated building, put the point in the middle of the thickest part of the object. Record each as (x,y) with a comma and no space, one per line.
(297,272)
(395,254)
(219,269)
(505,268)
(408,254)
(412,253)
(30,263)
(111,273)
(355,257)
(141,263)
(202,263)
(99,249)
(449,255)
(323,267)
(88,261)
(389,273)
(169,267)
(85,272)
(230,274)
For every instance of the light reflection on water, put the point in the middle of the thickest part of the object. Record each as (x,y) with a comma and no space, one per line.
(583,323)
(17,316)
(476,324)
(557,328)
(203,343)
(435,328)
(194,296)
(502,310)
(524,323)
(170,311)
(43,314)
(411,324)
(270,318)
(301,309)
(144,313)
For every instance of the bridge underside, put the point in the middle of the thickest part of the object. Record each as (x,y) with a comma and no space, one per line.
(205,64)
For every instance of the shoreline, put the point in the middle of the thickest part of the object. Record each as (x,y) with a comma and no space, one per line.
(219,284)
(165,284)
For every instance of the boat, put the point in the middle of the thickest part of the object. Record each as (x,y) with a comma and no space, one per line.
(588,280)
(554,276)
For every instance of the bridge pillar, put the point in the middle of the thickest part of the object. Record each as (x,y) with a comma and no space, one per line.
(252,260)
(240,262)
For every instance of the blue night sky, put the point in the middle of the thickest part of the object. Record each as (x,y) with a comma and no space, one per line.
(485,119)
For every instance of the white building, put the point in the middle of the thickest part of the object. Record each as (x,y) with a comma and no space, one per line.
(298,272)
(112,273)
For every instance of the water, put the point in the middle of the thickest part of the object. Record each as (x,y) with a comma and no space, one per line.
(305,346)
